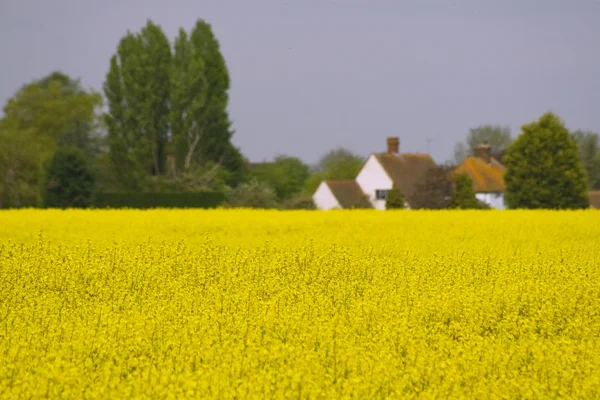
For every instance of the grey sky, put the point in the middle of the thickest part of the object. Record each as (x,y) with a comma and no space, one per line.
(310,75)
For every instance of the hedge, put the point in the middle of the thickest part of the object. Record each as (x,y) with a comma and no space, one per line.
(158,199)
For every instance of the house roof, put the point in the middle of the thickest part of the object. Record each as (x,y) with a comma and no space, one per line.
(347,192)
(406,170)
(486,177)
(594,198)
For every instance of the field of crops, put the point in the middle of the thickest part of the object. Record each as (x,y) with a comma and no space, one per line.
(266,304)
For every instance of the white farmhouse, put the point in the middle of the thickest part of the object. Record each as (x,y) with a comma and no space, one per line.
(378,175)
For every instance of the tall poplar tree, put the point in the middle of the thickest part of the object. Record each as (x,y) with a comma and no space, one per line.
(137,88)
(189,89)
(199,118)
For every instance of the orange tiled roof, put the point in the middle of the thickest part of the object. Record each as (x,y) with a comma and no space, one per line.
(347,192)
(487,178)
(594,198)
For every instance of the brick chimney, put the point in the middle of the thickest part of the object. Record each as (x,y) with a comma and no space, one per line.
(393,145)
(482,151)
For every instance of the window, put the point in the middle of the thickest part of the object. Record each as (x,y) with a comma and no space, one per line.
(381,194)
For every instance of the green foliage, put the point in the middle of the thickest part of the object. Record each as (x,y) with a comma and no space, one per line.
(137,89)
(588,145)
(209,177)
(69,180)
(44,115)
(189,93)
(152,92)
(41,116)
(158,199)
(285,174)
(336,164)
(55,111)
(544,170)
(20,168)
(254,194)
(463,196)
(216,142)
(498,137)
(300,202)
(395,199)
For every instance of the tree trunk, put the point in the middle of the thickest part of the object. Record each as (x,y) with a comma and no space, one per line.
(191,149)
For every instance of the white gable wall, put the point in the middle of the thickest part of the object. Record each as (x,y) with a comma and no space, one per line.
(494,200)
(324,198)
(373,177)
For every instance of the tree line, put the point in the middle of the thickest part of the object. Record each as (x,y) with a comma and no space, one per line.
(161,125)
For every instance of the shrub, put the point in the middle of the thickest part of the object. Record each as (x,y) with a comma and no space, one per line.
(158,199)
(395,199)
(69,180)
(463,195)
(253,194)
(300,203)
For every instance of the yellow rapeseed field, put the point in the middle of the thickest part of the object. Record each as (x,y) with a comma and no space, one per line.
(320,305)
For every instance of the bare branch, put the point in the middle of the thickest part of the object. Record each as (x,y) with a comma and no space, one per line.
(191,149)
(203,181)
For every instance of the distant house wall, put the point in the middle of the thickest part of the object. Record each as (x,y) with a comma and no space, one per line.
(324,198)
(373,177)
(494,200)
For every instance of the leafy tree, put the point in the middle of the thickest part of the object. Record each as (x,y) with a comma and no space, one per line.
(543,168)
(165,104)
(394,199)
(57,110)
(41,116)
(20,169)
(69,180)
(496,136)
(338,163)
(435,190)
(463,196)
(253,194)
(199,119)
(189,93)
(285,174)
(216,143)
(137,88)
(588,144)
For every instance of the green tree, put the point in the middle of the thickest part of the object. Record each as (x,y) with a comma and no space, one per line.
(463,196)
(56,109)
(588,144)
(41,116)
(137,88)
(216,144)
(199,118)
(394,199)
(543,168)
(69,180)
(338,163)
(189,93)
(498,137)
(285,174)
(20,169)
